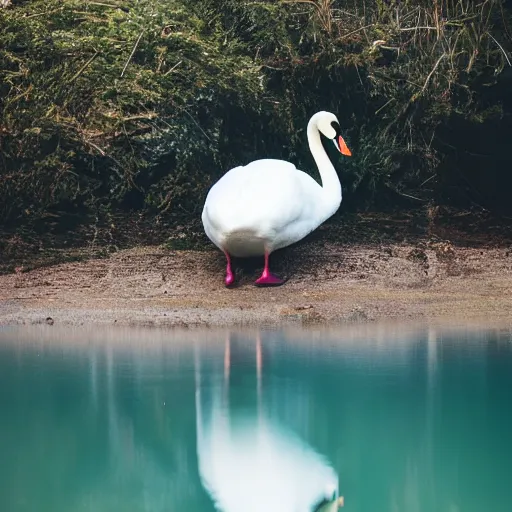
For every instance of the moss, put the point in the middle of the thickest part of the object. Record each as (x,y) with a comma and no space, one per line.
(144,104)
(95,98)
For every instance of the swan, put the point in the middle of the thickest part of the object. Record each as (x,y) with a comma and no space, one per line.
(248,461)
(269,204)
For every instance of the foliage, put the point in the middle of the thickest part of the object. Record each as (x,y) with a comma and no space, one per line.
(144,103)
(395,72)
(101,103)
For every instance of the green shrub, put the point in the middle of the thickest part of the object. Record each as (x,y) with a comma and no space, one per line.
(143,104)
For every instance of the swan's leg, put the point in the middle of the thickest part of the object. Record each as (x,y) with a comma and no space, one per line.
(230,277)
(267,278)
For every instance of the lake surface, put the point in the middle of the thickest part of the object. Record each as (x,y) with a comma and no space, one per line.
(406,420)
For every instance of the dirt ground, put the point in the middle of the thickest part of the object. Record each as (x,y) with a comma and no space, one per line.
(425,276)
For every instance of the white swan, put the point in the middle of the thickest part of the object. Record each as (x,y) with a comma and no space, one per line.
(249,462)
(268,204)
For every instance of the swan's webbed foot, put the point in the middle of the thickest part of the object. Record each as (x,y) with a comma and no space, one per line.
(229,281)
(269,279)
(230,277)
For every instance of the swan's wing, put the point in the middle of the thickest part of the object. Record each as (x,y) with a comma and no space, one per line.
(269,194)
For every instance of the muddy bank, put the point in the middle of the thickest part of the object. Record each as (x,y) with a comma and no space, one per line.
(328,283)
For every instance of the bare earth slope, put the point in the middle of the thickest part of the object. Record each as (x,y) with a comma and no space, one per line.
(328,283)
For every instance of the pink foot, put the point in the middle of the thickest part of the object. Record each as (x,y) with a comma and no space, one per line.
(229,280)
(267,278)
(230,277)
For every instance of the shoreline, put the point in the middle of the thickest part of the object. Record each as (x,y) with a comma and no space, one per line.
(329,284)
(380,336)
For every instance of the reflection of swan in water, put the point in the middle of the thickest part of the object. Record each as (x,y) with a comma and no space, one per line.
(248,462)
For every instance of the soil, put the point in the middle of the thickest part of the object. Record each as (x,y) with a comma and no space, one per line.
(363,268)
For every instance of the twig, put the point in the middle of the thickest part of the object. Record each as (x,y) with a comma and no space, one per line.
(37,14)
(413,29)
(432,72)
(173,68)
(356,31)
(83,68)
(140,117)
(113,6)
(133,52)
(21,95)
(384,106)
(501,48)
(359,76)
(409,196)
(428,179)
(102,153)
(196,123)
(270,67)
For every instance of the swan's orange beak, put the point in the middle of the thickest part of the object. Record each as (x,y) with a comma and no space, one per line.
(342,146)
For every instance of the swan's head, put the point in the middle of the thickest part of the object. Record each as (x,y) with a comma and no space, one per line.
(329,126)
(329,505)
(330,501)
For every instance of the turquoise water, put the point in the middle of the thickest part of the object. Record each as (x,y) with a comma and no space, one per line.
(405,419)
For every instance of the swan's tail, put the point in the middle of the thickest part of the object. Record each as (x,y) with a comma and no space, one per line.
(244,243)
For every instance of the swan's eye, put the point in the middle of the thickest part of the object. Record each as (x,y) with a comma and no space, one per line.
(336,127)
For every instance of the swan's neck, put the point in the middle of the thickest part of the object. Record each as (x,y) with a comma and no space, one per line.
(331,186)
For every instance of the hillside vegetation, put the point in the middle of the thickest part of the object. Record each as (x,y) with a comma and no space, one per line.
(114,105)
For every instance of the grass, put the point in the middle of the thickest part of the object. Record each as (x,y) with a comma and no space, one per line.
(110,106)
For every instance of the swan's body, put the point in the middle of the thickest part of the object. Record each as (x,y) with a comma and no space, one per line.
(256,466)
(269,204)
(249,462)
(274,205)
